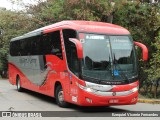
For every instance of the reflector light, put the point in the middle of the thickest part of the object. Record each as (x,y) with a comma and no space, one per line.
(89,100)
(134,99)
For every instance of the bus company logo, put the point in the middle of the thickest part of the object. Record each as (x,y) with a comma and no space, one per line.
(21,114)
(114,93)
(6,114)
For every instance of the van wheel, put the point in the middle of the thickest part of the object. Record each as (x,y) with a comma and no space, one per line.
(18,83)
(60,97)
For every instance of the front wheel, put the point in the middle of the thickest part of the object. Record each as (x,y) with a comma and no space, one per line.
(18,83)
(60,97)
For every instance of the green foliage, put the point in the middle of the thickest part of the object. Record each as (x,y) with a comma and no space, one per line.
(46,12)
(93,10)
(57,10)
(154,70)
(12,24)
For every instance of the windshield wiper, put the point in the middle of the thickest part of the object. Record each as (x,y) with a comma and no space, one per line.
(111,61)
(91,79)
(112,69)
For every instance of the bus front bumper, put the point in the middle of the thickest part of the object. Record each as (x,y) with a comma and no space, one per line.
(90,99)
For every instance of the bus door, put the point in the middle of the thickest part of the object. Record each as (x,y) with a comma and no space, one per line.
(72,64)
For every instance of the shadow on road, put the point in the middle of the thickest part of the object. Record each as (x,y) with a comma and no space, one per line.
(76,108)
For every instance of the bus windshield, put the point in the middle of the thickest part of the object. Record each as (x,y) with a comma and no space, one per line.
(108,58)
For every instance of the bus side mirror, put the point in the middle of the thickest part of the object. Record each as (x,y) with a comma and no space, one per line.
(144,50)
(79,47)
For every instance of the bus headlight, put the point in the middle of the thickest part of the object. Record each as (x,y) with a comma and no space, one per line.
(87,89)
(90,90)
(135,89)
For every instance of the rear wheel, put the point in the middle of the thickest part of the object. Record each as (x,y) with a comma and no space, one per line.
(60,97)
(18,83)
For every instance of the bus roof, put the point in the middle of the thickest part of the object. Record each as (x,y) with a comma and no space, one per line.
(81,26)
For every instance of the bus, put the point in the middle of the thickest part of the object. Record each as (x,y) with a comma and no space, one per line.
(85,63)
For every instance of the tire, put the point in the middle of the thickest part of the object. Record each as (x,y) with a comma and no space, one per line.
(19,88)
(60,97)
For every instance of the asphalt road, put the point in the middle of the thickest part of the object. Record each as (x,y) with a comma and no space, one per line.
(12,100)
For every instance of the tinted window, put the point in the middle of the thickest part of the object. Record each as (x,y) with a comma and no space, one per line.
(15,48)
(51,44)
(38,45)
(71,52)
(34,44)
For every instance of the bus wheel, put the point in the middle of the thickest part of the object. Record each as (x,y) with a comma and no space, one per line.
(60,97)
(19,88)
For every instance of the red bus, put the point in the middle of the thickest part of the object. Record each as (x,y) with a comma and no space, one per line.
(80,62)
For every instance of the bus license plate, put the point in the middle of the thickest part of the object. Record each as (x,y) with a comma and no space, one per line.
(113,101)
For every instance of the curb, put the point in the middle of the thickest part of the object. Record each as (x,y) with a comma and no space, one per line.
(149,101)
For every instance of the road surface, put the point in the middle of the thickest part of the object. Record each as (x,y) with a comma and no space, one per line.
(12,100)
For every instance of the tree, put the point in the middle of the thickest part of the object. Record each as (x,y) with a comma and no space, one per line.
(12,24)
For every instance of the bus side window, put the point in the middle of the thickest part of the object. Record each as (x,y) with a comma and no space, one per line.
(22,48)
(52,44)
(56,47)
(45,44)
(35,45)
(27,47)
(15,48)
